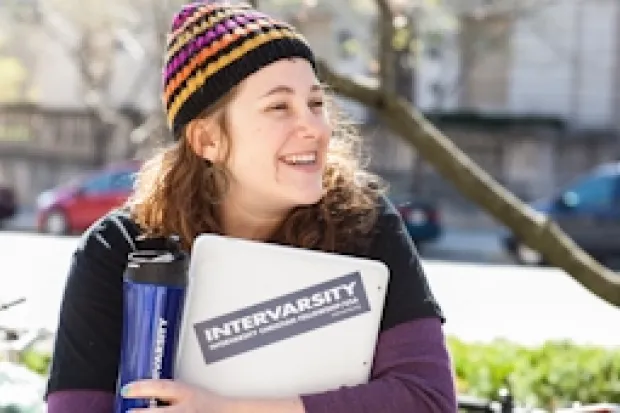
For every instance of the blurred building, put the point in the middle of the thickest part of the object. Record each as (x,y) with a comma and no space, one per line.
(549,58)
(530,89)
(50,132)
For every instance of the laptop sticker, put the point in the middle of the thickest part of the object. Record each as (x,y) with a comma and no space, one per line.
(282,318)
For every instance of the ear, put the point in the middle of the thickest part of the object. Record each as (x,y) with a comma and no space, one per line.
(206,140)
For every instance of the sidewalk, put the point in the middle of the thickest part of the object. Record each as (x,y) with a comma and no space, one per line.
(471,245)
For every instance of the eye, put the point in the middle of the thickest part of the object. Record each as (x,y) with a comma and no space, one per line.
(316,103)
(278,106)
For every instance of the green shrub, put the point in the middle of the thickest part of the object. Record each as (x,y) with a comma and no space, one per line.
(35,361)
(552,375)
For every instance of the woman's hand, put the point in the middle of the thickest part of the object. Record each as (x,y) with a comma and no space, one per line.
(183,398)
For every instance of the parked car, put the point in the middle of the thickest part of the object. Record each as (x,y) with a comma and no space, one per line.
(421,218)
(587,210)
(8,203)
(74,206)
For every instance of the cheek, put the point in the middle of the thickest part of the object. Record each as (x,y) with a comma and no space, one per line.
(268,140)
(327,135)
(325,124)
(329,130)
(253,156)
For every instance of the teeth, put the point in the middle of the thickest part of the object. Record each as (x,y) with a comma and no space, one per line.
(301,159)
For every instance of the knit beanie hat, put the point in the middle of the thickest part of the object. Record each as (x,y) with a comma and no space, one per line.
(212,47)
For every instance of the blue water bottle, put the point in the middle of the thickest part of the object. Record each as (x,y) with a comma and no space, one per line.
(154,287)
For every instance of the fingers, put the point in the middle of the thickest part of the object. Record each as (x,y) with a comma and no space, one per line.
(166,390)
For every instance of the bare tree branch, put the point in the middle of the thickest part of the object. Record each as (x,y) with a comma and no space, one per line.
(535,230)
(386,53)
(384,7)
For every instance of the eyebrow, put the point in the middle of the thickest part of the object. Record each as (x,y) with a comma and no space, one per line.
(289,90)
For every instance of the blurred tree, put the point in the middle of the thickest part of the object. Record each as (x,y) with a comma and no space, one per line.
(97,35)
(14,85)
(536,230)
(12,79)
(141,24)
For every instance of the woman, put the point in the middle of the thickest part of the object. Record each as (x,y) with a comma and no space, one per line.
(255,157)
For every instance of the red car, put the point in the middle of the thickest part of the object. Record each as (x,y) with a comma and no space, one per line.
(73,207)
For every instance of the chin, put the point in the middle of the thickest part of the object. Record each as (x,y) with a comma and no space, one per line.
(307,197)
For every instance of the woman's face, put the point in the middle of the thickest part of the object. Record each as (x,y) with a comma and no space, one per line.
(279,134)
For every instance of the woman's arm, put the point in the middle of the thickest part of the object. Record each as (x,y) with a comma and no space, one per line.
(87,346)
(412,373)
(412,369)
(69,401)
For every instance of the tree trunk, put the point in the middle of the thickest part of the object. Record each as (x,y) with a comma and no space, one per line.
(534,229)
(100,143)
(387,61)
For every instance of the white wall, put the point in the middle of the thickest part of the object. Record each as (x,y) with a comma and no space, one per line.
(564,63)
(563,58)
(598,52)
(442,71)
(56,80)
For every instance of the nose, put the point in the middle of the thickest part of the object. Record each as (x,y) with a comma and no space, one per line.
(312,124)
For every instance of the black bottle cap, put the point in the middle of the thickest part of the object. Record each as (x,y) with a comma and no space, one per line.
(166,267)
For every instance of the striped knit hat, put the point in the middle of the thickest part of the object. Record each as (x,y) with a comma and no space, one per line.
(212,47)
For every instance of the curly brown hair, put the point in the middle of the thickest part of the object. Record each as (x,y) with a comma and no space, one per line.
(178,193)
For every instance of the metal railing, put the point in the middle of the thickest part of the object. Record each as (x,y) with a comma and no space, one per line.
(14,341)
(504,404)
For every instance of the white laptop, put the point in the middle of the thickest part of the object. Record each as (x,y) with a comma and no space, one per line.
(263,320)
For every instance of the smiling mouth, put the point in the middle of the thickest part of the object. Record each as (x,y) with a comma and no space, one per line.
(308,158)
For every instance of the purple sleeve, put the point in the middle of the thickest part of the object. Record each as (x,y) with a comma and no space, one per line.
(71,401)
(411,373)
